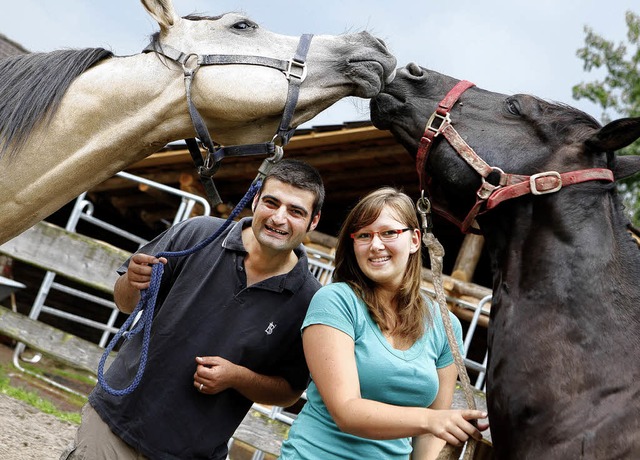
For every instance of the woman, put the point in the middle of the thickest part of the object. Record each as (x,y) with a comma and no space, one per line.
(378,354)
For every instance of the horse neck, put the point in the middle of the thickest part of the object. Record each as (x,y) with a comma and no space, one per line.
(571,246)
(114,114)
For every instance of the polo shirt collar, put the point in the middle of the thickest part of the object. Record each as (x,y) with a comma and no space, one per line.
(290,281)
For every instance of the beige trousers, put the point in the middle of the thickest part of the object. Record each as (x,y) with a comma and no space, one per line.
(95,441)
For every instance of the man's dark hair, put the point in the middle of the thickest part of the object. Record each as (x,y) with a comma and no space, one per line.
(301,175)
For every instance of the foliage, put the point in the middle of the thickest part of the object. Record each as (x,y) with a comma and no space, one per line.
(617,92)
(34,400)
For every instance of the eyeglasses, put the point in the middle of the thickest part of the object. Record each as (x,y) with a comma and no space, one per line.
(385,235)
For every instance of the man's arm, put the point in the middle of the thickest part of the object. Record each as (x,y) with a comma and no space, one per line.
(216,374)
(126,291)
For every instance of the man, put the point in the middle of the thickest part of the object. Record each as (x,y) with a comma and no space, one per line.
(226,331)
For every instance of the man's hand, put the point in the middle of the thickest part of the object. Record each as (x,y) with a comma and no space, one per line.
(140,269)
(214,374)
(126,291)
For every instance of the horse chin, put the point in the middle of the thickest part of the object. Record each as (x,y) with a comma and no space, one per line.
(387,113)
(379,107)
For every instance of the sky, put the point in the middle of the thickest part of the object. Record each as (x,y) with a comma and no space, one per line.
(506,46)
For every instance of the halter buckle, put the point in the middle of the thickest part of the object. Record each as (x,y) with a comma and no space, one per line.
(443,121)
(268,163)
(190,64)
(296,69)
(545,186)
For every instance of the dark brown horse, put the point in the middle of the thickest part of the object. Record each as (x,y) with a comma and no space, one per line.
(539,179)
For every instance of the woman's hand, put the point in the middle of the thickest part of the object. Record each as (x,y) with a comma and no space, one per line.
(454,426)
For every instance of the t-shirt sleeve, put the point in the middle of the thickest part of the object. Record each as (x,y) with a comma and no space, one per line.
(446,356)
(159,244)
(333,305)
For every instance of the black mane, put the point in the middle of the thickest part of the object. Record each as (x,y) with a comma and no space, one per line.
(32,86)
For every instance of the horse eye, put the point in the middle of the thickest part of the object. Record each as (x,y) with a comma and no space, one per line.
(244,25)
(513,106)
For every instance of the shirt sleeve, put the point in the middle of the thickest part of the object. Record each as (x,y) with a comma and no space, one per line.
(334,305)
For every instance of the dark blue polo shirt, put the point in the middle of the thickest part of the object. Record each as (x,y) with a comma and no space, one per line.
(204,308)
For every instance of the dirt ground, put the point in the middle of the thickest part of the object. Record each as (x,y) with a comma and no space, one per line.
(25,432)
(28,434)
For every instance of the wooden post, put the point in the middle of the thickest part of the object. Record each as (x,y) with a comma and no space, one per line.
(468,257)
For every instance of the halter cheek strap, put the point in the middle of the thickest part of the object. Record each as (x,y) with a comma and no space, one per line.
(438,119)
(295,71)
(491,192)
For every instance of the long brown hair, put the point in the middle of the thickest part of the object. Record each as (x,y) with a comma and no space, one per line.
(412,314)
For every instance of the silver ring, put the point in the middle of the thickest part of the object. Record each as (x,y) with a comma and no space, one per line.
(201,385)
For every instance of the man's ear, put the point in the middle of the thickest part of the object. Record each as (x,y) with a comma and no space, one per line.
(314,222)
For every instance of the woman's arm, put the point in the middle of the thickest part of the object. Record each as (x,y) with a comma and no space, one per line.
(331,360)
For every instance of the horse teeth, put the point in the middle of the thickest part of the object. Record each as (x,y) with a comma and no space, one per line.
(391,77)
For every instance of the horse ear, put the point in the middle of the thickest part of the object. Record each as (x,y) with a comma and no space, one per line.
(162,11)
(615,135)
(625,166)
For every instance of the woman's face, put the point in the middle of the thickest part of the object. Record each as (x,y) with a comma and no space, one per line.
(384,260)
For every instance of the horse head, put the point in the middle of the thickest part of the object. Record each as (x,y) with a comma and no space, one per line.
(539,177)
(335,67)
(73,118)
(514,137)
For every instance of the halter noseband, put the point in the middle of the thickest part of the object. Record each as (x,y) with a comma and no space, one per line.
(507,186)
(295,71)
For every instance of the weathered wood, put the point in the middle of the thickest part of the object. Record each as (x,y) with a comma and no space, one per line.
(80,258)
(458,287)
(484,451)
(52,342)
(323,239)
(468,256)
(262,432)
(462,291)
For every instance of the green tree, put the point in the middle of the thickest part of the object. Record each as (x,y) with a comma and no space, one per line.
(618,93)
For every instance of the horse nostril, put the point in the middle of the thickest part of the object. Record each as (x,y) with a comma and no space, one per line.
(414,69)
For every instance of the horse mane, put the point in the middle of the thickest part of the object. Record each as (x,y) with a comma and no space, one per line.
(562,117)
(32,86)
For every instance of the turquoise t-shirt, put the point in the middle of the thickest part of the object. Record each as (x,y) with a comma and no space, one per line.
(402,378)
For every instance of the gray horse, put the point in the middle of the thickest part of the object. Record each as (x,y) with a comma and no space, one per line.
(71,119)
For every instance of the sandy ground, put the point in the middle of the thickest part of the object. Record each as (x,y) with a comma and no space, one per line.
(28,434)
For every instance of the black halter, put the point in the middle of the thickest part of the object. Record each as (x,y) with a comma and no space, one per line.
(295,70)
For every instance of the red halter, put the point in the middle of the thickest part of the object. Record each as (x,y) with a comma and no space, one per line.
(509,186)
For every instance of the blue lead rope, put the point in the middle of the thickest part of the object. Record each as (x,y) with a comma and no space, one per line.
(147,303)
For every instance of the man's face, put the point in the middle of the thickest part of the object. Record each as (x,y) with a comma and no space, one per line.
(282,215)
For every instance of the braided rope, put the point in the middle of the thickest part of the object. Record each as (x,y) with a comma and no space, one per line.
(147,303)
(436,255)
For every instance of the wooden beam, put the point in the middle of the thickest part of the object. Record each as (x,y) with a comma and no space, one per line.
(52,342)
(468,257)
(87,261)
